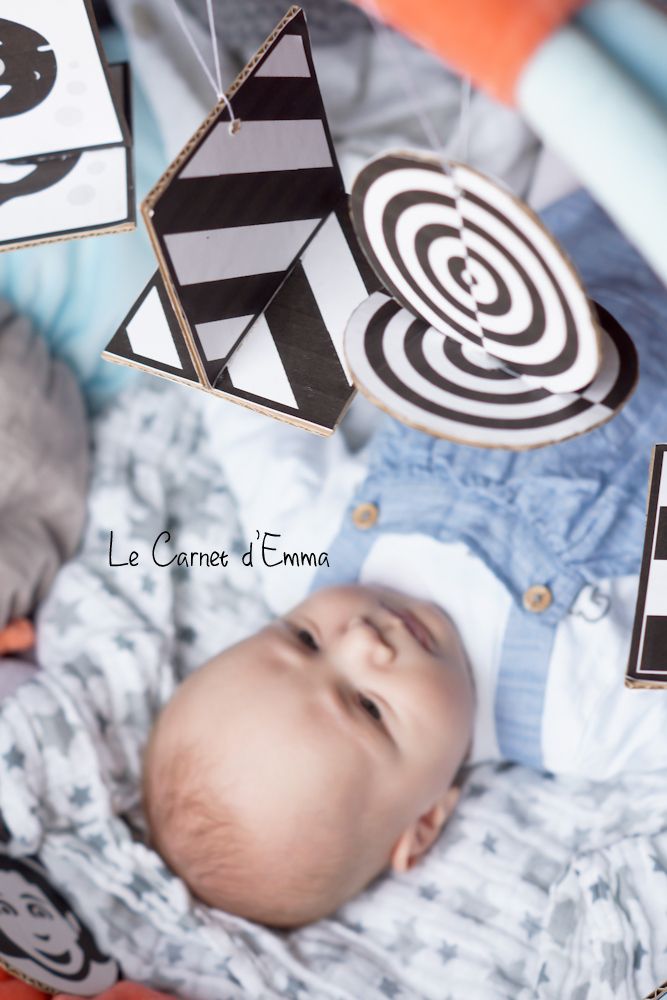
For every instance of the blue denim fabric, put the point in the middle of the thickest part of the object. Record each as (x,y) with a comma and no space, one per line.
(565,515)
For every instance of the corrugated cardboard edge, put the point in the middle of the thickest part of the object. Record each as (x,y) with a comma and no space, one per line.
(659,991)
(124,227)
(284,418)
(151,198)
(27,979)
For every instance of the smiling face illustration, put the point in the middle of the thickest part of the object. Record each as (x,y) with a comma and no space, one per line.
(36,927)
(42,939)
(27,68)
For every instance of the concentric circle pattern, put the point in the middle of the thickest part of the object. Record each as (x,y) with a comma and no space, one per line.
(476,264)
(456,390)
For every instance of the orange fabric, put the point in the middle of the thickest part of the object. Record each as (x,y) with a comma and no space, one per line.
(16,989)
(488,40)
(121,991)
(17,637)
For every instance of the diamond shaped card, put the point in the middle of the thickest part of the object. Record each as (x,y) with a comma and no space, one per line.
(258,266)
(65,167)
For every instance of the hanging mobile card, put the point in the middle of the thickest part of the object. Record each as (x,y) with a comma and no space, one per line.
(66,168)
(259,268)
(490,339)
(647,663)
(41,938)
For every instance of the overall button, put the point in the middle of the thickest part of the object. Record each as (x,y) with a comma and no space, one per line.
(537,598)
(365,515)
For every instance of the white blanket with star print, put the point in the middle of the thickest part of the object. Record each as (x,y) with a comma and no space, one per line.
(538,888)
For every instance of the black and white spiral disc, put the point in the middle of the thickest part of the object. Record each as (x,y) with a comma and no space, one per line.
(475,263)
(458,391)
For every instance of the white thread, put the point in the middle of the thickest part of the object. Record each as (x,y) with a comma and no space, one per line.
(214,45)
(383,33)
(234,123)
(464,118)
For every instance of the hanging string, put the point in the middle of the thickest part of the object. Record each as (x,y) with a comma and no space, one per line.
(464,119)
(385,35)
(214,45)
(220,95)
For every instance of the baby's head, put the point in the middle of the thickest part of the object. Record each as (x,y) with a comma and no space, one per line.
(297,765)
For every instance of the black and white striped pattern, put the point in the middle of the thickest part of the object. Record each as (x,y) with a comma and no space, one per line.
(647,664)
(458,391)
(150,337)
(290,364)
(241,208)
(476,264)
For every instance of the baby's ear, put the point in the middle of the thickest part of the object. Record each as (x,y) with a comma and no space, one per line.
(420,835)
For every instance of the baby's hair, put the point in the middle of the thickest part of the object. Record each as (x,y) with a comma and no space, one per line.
(204,842)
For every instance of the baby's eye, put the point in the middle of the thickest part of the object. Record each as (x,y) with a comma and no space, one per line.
(307,639)
(370,707)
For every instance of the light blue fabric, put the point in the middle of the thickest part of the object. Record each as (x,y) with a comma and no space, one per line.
(79,291)
(590,108)
(565,515)
(635,33)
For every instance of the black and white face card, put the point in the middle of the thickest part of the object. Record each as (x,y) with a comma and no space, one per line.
(72,176)
(41,938)
(647,664)
(54,90)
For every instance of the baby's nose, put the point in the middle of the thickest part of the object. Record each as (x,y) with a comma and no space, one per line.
(366,639)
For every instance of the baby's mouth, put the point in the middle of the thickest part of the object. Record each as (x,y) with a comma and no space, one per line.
(414,626)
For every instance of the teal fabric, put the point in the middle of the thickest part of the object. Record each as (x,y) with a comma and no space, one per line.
(78,292)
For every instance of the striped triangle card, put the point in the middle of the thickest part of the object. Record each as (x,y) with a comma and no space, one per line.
(647,662)
(258,265)
(65,161)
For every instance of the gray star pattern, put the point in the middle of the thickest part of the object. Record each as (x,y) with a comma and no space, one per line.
(123,643)
(390,988)
(139,885)
(14,757)
(658,864)
(56,730)
(97,842)
(531,926)
(80,796)
(294,987)
(407,944)
(600,890)
(447,952)
(638,955)
(64,615)
(489,844)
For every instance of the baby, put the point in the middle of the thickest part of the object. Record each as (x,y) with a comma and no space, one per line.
(294,767)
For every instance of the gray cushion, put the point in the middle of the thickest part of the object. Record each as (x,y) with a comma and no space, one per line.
(44,458)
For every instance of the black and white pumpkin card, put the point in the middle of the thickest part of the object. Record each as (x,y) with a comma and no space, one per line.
(66,166)
(42,940)
(647,663)
(259,268)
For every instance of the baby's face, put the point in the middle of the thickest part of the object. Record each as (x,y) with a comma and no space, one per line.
(358,702)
